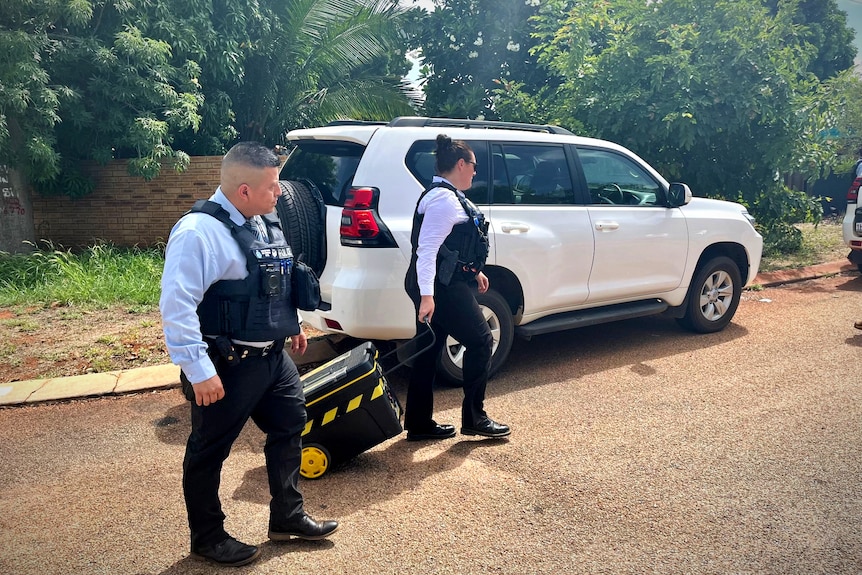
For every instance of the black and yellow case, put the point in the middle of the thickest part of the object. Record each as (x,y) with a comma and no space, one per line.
(350,409)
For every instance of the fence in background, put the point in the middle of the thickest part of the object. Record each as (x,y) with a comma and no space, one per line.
(124,210)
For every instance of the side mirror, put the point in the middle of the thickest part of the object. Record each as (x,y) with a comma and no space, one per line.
(678,195)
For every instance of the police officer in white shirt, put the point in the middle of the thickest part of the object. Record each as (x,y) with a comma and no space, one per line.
(226,313)
(450,245)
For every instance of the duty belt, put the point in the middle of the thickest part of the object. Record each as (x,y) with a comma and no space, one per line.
(245,351)
(233,353)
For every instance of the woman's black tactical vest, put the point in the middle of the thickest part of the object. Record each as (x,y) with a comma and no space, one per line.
(464,251)
(258,307)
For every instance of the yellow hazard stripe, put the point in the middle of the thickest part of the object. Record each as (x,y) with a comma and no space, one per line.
(348,384)
(329,416)
(354,403)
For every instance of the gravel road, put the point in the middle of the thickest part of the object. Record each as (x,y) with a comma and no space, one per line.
(636,448)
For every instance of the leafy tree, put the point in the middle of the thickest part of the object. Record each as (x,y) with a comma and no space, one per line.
(161,78)
(83,82)
(704,89)
(157,80)
(711,92)
(472,47)
(831,121)
(825,28)
(279,65)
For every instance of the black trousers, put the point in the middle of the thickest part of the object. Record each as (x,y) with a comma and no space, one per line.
(456,313)
(269,391)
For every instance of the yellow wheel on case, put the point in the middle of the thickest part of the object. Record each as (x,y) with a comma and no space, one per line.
(315,461)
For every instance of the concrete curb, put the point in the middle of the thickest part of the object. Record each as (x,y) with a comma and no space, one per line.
(127,381)
(319,349)
(801,274)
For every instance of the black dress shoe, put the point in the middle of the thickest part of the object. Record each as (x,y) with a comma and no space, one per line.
(487,428)
(230,552)
(303,528)
(436,432)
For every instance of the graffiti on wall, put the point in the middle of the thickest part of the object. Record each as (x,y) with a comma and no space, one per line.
(10,203)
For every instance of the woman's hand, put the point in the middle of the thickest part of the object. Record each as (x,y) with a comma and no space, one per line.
(426,308)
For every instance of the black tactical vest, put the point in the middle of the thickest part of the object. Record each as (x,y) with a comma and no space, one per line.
(258,307)
(464,251)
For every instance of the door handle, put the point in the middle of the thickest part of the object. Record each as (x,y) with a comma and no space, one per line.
(514,228)
(607,226)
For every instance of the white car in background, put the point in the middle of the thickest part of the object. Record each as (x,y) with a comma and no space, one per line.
(851,226)
(582,231)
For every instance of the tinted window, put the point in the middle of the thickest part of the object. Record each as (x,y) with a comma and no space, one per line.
(530,174)
(615,179)
(421,160)
(330,165)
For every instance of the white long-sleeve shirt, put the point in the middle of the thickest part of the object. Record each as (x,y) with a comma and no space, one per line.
(442,212)
(200,252)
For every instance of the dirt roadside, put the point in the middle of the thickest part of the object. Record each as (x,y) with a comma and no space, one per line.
(62,341)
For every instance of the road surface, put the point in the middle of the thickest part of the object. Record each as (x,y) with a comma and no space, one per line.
(637,447)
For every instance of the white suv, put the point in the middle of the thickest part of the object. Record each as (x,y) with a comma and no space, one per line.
(582,231)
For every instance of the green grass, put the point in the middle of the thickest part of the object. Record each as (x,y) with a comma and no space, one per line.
(820,244)
(100,276)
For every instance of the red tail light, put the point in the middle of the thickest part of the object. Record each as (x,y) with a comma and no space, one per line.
(853,192)
(361,226)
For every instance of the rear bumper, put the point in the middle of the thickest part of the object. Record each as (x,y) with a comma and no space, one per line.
(367,301)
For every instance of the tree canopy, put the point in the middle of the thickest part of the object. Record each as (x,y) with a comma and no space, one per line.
(161,79)
(469,48)
(722,94)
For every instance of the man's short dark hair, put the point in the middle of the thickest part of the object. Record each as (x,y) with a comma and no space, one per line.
(252,154)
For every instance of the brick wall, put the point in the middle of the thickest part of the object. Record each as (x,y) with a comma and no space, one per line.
(125,210)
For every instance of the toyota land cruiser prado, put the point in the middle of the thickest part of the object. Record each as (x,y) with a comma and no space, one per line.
(582,231)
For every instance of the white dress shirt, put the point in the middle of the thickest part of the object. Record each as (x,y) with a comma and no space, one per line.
(200,252)
(442,212)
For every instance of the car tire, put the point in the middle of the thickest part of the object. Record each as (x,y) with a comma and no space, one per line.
(499,316)
(302,213)
(713,296)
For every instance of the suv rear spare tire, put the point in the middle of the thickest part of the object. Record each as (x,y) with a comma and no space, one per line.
(300,209)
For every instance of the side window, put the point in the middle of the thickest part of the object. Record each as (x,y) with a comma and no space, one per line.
(329,165)
(614,179)
(530,174)
(421,161)
(478,192)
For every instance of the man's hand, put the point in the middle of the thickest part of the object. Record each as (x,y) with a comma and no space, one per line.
(299,343)
(483,282)
(208,391)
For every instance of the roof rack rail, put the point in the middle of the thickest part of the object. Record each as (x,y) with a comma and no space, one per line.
(418,121)
(356,123)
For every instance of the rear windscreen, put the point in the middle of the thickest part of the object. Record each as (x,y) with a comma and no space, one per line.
(329,165)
